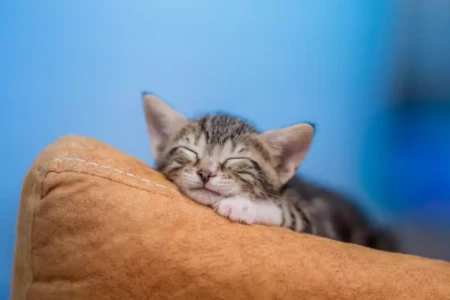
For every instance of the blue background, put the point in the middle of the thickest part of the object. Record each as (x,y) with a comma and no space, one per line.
(79,68)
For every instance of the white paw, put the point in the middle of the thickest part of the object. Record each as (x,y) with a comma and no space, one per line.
(237,209)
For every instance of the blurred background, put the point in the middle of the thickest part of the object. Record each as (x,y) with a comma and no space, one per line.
(373,75)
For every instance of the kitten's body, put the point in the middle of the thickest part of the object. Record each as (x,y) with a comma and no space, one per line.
(249,177)
(335,216)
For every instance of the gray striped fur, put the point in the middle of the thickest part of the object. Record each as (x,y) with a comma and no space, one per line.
(258,166)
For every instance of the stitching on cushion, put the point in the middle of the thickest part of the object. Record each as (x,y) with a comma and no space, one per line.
(43,174)
(110,168)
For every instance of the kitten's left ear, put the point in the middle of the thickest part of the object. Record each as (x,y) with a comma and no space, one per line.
(162,122)
(290,146)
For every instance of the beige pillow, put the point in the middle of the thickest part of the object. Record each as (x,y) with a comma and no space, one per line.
(98,224)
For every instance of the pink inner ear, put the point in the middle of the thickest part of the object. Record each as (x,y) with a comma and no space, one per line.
(291,145)
(162,122)
(158,137)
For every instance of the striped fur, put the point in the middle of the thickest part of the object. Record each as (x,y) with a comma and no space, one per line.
(252,174)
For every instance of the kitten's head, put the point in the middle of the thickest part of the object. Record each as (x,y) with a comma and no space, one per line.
(220,156)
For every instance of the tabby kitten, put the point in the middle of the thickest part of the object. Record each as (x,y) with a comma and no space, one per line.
(249,177)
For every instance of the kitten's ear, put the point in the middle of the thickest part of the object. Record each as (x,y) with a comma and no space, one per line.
(290,146)
(162,122)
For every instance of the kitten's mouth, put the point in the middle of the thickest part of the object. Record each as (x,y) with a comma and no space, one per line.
(207,190)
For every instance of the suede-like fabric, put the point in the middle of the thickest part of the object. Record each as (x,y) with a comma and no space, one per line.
(97,224)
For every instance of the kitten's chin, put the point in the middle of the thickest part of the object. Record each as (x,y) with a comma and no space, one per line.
(203,196)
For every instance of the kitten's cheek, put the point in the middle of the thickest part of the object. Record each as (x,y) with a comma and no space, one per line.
(178,180)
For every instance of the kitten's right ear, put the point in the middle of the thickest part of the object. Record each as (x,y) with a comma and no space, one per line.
(162,122)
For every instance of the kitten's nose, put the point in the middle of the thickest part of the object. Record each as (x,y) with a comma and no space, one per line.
(205,174)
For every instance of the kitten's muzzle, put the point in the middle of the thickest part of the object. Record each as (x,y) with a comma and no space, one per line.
(205,174)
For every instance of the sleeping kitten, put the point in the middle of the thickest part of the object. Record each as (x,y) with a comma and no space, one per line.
(250,177)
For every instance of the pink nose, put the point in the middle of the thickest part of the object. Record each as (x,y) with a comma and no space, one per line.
(205,174)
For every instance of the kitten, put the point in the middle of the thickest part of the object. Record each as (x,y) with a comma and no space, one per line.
(250,177)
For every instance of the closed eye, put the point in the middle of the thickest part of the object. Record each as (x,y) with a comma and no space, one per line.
(232,159)
(188,152)
(254,164)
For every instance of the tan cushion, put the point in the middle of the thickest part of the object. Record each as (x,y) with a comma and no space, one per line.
(98,224)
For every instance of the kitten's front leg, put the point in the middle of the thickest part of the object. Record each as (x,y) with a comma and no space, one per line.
(237,209)
(244,210)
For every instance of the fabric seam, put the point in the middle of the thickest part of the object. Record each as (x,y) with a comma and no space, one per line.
(162,186)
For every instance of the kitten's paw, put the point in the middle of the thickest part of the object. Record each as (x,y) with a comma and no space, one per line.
(237,209)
